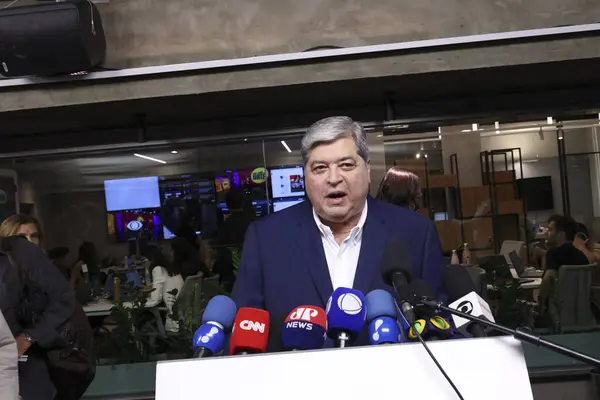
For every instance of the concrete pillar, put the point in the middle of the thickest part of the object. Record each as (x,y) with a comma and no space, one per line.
(377,153)
(467,146)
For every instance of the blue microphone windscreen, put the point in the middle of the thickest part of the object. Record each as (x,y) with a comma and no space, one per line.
(380,303)
(220,309)
(346,312)
(384,330)
(209,336)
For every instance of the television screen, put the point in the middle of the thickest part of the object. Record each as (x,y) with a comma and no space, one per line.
(536,193)
(132,194)
(287,182)
(127,224)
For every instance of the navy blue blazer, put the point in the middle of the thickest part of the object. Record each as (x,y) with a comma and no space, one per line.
(283,263)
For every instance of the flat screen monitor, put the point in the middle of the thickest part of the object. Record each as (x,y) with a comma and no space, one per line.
(282,204)
(536,193)
(132,193)
(261,208)
(287,182)
(126,224)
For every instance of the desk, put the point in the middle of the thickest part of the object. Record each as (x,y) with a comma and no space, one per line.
(101,307)
(535,284)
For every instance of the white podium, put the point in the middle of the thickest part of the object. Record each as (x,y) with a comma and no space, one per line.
(489,368)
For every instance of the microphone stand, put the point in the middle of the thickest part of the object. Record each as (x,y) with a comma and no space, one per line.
(519,333)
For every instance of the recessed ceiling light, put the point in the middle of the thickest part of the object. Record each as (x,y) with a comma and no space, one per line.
(149,158)
(174,152)
(284,144)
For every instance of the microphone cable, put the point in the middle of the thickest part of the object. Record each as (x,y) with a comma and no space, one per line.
(438,365)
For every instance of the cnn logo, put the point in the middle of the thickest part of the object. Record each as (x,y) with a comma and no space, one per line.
(252,326)
(303,314)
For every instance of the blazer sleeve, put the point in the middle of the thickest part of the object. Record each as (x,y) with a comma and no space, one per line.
(61,299)
(248,290)
(433,260)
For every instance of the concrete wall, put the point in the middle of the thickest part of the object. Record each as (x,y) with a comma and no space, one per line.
(154,32)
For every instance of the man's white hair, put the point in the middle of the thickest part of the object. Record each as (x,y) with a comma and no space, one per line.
(330,129)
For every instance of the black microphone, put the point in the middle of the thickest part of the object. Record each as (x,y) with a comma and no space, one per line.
(396,270)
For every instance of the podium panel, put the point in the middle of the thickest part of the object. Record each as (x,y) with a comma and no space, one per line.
(487,368)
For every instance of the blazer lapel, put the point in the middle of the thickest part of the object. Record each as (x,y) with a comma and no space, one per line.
(374,239)
(314,257)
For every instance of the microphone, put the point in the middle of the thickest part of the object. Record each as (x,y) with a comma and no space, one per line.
(304,329)
(431,329)
(459,286)
(218,317)
(346,313)
(381,315)
(522,334)
(396,268)
(250,331)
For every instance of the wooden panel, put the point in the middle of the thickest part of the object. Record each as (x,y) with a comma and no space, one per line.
(505,192)
(499,177)
(510,207)
(475,201)
(439,181)
(449,233)
(504,176)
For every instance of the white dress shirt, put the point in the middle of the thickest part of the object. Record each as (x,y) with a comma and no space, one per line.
(342,260)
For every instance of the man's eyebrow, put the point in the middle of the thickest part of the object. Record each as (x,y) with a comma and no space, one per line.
(339,160)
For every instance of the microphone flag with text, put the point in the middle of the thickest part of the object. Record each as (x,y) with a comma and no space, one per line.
(346,315)
(218,317)
(382,318)
(464,298)
(304,329)
(250,331)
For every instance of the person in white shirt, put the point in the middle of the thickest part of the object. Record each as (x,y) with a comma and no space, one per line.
(9,375)
(165,279)
(337,238)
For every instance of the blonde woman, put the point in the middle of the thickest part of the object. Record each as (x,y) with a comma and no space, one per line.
(22,225)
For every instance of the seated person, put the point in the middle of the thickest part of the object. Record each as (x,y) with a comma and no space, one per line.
(165,278)
(583,243)
(562,231)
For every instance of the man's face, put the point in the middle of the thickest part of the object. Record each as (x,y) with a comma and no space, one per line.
(555,237)
(337,180)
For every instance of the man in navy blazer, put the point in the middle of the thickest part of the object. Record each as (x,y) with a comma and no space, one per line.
(298,256)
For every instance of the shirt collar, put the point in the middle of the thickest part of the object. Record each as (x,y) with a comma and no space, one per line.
(355,233)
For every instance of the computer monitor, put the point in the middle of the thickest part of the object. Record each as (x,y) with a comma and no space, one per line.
(132,193)
(131,224)
(287,182)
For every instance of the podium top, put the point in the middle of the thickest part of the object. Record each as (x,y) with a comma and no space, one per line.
(355,373)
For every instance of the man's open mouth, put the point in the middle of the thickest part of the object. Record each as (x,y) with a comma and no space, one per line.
(336,195)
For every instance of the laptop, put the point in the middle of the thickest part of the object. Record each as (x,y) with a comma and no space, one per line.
(518,269)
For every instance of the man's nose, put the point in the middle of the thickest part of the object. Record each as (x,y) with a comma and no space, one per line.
(334,176)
